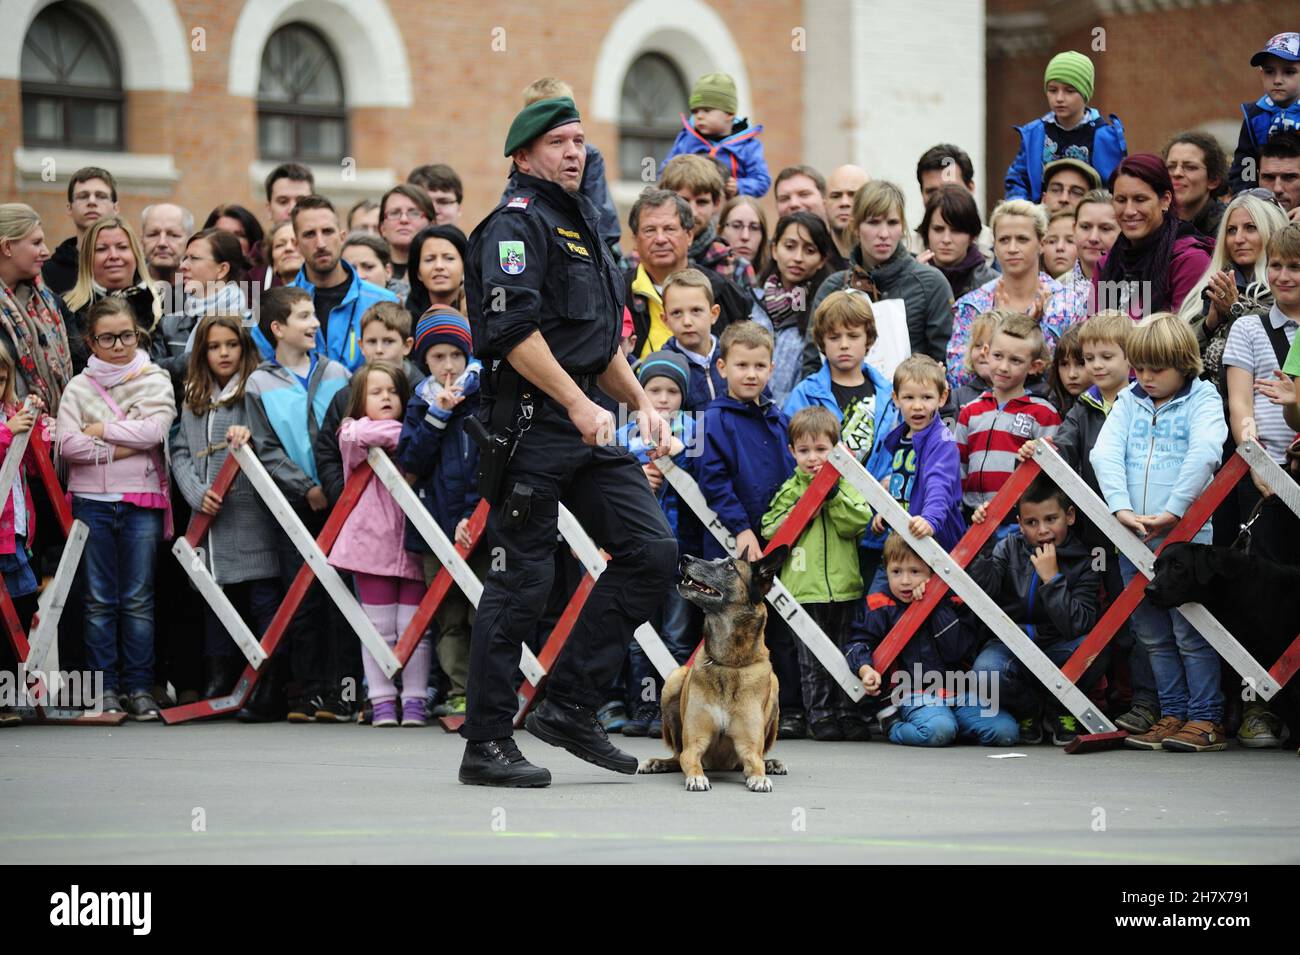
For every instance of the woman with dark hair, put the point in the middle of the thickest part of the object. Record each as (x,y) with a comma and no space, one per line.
(1198,168)
(212,273)
(436,268)
(1158,258)
(801,248)
(949,231)
(243,225)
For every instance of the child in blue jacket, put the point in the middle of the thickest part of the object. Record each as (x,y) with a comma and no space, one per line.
(926,710)
(714,131)
(1155,455)
(665,378)
(1278,110)
(437,451)
(1069,130)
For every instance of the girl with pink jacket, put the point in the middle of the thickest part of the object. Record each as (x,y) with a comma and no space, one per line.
(389,579)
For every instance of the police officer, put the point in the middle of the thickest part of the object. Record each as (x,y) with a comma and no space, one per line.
(547,302)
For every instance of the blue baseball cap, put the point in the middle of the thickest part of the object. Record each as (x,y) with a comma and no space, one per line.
(1285,46)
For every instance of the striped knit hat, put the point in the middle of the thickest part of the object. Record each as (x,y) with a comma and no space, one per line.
(665,364)
(441,325)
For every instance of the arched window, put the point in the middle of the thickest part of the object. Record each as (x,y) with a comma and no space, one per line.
(71,81)
(300,104)
(654,97)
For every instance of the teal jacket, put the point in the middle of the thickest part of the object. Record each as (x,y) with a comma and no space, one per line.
(823,564)
(284,429)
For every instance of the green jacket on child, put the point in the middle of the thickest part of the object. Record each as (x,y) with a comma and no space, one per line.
(823,564)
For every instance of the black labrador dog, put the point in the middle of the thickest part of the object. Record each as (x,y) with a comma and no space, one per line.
(1256,599)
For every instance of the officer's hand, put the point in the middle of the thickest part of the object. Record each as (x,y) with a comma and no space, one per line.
(594,423)
(652,427)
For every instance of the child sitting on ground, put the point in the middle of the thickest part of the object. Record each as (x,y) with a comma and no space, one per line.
(940,646)
(1044,578)
(822,571)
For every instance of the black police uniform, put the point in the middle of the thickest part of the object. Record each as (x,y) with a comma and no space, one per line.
(536,263)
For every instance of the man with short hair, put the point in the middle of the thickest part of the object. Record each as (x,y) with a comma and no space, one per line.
(164,228)
(662,225)
(92,194)
(1279,171)
(444,188)
(841,187)
(939,166)
(340,296)
(800,189)
(544,294)
(285,185)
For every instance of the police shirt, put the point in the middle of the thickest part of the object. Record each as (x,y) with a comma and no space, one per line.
(536,263)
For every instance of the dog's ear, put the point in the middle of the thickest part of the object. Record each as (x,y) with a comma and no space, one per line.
(1207,563)
(764,570)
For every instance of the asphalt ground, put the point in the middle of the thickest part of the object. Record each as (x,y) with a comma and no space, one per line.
(223,792)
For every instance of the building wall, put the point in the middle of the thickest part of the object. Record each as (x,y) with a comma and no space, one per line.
(462,93)
(1166,65)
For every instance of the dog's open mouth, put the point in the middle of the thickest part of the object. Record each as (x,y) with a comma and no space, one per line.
(699,588)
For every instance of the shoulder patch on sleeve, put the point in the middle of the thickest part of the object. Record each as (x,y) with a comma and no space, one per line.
(519,202)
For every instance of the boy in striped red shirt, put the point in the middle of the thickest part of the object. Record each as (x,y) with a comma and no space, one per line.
(991,429)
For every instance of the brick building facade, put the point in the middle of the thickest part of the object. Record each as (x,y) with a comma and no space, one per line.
(436,81)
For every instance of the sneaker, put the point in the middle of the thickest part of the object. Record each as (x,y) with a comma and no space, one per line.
(856,731)
(1065,729)
(1153,738)
(827,731)
(414,713)
(110,702)
(1138,720)
(1260,728)
(656,728)
(302,709)
(639,724)
(332,708)
(452,706)
(498,762)
(1197,736)
(1031,731)
(579,731)
(612,716)
(792,726)
(888,717)
(140,706)
(384,713)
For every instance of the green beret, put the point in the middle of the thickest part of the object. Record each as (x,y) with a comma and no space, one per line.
(537,118)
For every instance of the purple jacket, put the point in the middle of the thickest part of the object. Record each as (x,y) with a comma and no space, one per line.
(936,492)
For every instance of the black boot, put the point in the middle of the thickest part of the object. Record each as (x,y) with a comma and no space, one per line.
(575,728)
(266,703)
(222,672)
(498,762)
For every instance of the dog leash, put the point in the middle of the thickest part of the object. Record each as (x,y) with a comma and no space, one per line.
(1242,542)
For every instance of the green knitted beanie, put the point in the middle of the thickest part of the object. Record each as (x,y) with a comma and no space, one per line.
(1074,69)
(715,91)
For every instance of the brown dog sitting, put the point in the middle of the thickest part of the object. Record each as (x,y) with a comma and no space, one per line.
(721,713)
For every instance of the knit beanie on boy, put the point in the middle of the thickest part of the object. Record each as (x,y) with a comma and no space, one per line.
(714,91)
(1074,69)
(441,325)
(665,364)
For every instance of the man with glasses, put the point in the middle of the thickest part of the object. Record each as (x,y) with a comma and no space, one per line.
(92,194)
(1065,182)
(547,306)
(445,190)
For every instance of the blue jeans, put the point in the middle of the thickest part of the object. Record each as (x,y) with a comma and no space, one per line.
(1186,668)
(929,720)
(119,571)
(1019,691)
(672,621)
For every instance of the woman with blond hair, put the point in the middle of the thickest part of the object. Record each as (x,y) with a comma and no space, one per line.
(32,324)
(110,264)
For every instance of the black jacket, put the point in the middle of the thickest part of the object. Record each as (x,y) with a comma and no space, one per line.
(537,263)
(60,269)
(941,644)
(1062,609)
